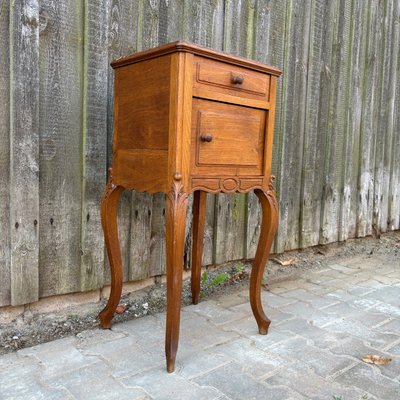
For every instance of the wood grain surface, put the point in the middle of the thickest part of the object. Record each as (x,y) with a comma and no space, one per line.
(24,151)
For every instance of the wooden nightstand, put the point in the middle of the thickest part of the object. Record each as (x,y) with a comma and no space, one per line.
(189,119)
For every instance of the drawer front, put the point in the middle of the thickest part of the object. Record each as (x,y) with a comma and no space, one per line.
(215,76)
(227,139)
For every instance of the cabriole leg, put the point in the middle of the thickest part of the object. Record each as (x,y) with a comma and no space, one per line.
(109,206)
(269,225)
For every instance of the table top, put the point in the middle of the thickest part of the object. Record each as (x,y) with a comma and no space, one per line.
(184,46)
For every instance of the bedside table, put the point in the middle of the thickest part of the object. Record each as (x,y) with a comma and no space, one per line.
(190,120)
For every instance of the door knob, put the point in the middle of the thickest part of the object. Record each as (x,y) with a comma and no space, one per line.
(206,138)
(237,79)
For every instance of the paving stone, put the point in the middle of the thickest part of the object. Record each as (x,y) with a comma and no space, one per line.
(340,295)
(356,329)
(359,291)
(248,327)
(301,378)
(348,281)
(387,280)
(322,362)
(319,289)
(49,346)
(284,286)
(319,337)
(230,380)
(356,348)
(391,370)
(335,274)
(391,311)
(59,357)
(203,362)
(364,303)
(147,332)
(370,319)
(327,281)
(369,378)
(126,357)
(140,327)
(12,360)
(387,294)
(344,269)
(162,386)
(94,382)
(233,299)
(90,337)
(316,301)
(22,382)
(305,311)
(364,262)
(392,274)
(214,313)
(274,314)
(273,300)
(372,283)
(253,360)
(395,350)
(345,310)
(341,310)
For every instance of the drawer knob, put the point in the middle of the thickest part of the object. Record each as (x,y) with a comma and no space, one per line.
(237,79)
(206,138)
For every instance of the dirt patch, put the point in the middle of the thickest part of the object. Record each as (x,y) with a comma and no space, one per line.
(29,330)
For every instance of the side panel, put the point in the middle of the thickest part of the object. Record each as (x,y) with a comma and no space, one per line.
(142,97)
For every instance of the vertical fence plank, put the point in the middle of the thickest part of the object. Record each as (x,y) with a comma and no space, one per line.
(316,121)
(24,151)
(140,236)
(394,126)
(368,125)
(294,101)
(230,210)
(60,116)
(123,27)
(148,36)
(261,51)
(352,167)
(5,273)
(94,147)
(383,133)
(203,24)
(337,125)
(276,57)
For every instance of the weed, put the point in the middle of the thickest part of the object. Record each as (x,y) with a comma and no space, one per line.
(221,278)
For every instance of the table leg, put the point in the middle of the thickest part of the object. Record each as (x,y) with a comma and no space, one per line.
(109,206)
(176,207)
(199,217)
(269,225)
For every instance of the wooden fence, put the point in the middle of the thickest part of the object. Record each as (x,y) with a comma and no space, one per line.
(337,136)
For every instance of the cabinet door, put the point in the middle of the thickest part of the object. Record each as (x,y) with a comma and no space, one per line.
(227,139)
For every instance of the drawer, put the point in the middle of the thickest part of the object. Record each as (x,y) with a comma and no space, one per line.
(215,76)
(227,139)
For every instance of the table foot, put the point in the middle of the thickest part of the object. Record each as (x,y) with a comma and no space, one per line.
(109,205)
(269,224)
(176,206)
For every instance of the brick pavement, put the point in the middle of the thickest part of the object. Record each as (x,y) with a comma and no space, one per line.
(322,324)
